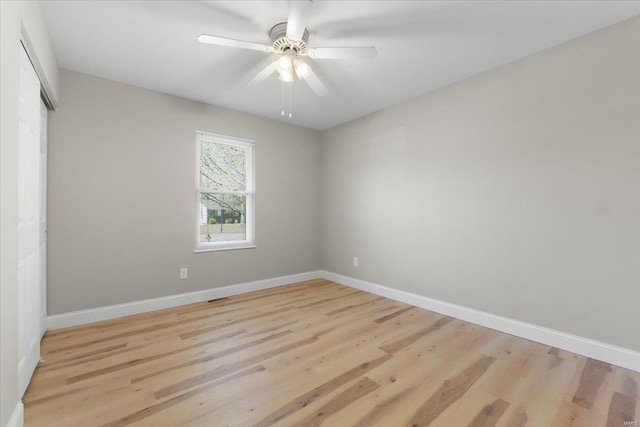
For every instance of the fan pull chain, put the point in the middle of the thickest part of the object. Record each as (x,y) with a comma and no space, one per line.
(290,90)
(282,99)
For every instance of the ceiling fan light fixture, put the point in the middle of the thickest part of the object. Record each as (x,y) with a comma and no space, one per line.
(285,75)
(302,68)
(284,63)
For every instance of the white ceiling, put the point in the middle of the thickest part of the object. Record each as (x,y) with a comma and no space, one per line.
(422,45)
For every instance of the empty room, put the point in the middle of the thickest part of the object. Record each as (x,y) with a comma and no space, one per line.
(320,213)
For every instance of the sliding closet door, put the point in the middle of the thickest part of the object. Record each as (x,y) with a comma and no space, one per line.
(29,200)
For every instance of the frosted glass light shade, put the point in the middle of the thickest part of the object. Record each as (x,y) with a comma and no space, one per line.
(285,75)
(302,68)
(284,63)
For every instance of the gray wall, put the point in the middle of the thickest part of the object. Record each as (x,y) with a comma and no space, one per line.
(516,192)
(122,188)
(19,21)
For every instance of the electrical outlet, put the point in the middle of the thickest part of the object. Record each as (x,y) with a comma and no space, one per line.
(184,273)
(355,261)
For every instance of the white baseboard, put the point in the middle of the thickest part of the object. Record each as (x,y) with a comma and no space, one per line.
(615,355)
(17,417)
(82,317)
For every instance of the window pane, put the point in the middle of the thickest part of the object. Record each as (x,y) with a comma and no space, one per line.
(222,218)
(222,167)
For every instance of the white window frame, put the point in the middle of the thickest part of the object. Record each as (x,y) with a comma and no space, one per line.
(249,145)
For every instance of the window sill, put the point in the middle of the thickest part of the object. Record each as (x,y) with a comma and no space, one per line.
(223,248)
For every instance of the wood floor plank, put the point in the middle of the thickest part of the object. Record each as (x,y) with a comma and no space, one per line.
(490,414)
(627,382)
(467,409)
(459,336)
(154,409)
(228,368)
(518,418)
(538,384)
(342,400)
(331,299)
(592,378)
(316,353)
(311,396)
(218,326)
(138,361)
(273,328)
(401,343)
(524,363)
(351,307)
(570,414)
(340,339)
(32,400)
(393,315)
(405,380)
(121,334)
(69,405)
(450,392)
(622,410)
(384,407)
(91,355)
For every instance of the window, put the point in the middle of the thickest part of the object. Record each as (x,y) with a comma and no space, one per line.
(225,192)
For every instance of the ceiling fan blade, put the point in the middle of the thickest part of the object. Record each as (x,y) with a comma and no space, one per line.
(262,75)
(316,85)
(352,52)
(223,41)
(299,11)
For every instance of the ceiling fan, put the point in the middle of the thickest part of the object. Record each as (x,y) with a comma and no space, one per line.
(289,40)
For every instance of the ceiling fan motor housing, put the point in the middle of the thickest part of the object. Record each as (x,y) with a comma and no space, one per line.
(281,43)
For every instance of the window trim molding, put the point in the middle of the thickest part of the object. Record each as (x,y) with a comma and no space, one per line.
(249,193)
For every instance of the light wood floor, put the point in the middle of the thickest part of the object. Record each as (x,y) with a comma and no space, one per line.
(316,353)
